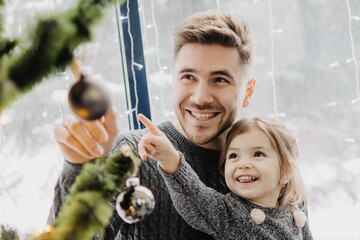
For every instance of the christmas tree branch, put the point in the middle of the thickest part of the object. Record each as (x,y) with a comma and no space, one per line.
(6,44)
(7,233)
(2,7)
(53,42)
(86,211)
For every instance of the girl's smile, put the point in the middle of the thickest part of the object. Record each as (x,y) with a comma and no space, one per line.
(252,168)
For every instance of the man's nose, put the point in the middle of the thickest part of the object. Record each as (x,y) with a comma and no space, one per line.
(202,93)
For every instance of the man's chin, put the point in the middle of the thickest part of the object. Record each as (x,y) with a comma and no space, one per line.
(201,135)
(200,139)
(208,138)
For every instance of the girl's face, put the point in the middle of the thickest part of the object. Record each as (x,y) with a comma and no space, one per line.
(252,168)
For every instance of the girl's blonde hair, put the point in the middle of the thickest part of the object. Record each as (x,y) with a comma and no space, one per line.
(292,195)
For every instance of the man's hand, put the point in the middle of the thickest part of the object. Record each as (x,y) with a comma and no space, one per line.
(156,145)
(81,141)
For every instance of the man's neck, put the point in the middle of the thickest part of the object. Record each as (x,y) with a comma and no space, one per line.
(217,144)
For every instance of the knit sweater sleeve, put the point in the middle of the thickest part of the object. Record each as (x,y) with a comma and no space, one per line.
(68,175)
(62,187)
(201,207)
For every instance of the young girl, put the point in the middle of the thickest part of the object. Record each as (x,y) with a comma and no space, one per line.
(259,169)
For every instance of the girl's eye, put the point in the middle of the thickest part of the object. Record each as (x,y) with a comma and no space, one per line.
(232,156)
(259,154)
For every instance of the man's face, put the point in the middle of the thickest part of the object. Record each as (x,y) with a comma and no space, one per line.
(208,90)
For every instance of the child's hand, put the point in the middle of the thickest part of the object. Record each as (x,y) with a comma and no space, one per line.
(156,145)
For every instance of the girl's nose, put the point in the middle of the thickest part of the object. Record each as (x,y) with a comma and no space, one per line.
(245,164)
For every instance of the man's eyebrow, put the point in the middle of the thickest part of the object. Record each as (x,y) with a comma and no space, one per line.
(219,72)
(223,72)
(187,70)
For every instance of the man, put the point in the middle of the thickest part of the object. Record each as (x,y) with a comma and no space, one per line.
(213,53)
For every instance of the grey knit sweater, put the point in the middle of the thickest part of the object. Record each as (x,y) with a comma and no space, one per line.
(226,216)
(165,222)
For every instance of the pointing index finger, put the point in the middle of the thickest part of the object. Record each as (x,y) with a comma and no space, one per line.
(149,125)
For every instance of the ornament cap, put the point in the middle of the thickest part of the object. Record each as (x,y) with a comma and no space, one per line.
(133,182)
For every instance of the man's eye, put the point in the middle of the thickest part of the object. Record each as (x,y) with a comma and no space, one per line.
(189,77)
(222,80)
(232,156)
(259,154)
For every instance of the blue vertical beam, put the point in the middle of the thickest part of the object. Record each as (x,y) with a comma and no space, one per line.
(135,62)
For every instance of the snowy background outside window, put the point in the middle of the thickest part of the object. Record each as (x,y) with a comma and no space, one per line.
(307,71)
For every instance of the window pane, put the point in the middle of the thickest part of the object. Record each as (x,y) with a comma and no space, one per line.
(306,67)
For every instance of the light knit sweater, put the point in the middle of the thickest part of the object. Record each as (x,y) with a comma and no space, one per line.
(226,216)
(164,223)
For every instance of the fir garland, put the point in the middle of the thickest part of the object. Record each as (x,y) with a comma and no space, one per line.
(86,211)
(7,233)
(6,44)
(53,41)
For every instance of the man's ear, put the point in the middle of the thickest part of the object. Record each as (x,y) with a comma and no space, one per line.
(249,92)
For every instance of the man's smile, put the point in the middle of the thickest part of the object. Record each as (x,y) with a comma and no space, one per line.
(202,116)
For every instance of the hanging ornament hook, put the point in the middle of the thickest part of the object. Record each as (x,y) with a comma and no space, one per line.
(75,68)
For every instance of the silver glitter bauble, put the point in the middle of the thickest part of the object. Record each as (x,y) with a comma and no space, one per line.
(135,202)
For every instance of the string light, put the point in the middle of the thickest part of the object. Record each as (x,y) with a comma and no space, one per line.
(156,35)
(354,59)
(138,65)
(350,140)
(217,5)
(46,229)
(272,72)
(135,109)
(161,69)
(335,64)
(145,39)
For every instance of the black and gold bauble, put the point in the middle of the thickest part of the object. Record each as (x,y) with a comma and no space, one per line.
(88,99)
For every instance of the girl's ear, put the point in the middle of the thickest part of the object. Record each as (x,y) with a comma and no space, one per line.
(287,175)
